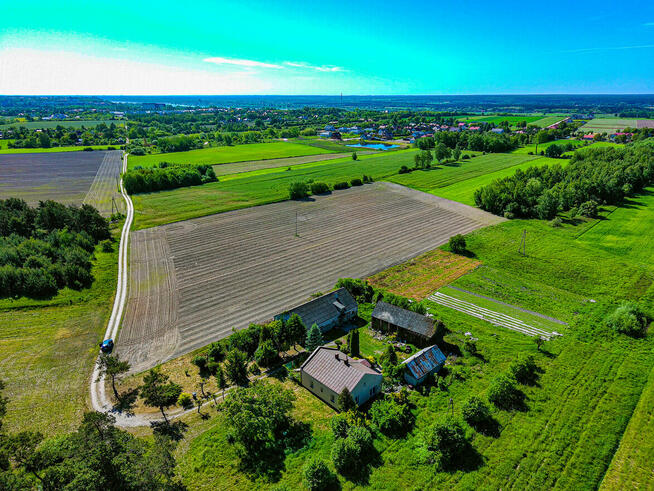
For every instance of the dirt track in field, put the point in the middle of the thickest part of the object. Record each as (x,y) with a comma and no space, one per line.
(105,185)
(192,281)
(67,177)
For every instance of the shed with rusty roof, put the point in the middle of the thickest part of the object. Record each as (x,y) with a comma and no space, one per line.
(425,362)
(327,372)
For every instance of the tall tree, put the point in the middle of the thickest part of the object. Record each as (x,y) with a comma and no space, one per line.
(314,338)
(296,330)
(236,367)
(221,381)
(112,366)
(159,392)
(353,346)
(345,401)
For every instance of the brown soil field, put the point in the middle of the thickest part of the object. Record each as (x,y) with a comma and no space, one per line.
(236,167)
(66,177)
(193,281)
(423,275)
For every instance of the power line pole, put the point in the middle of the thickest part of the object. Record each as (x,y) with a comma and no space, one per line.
(296,224)
(523,243)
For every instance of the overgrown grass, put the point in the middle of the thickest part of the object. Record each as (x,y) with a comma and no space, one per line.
(542,146)
(222,155)
(47,350)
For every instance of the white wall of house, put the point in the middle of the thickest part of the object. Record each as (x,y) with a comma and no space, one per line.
(368,387)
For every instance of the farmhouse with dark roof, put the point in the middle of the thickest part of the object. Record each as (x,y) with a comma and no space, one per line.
(333,309)
(410,326)
(425,362)
(327,372)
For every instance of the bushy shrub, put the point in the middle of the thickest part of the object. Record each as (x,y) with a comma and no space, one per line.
(523,369)
(341,185)
(352,454)
(588,209)
(266,354)
(339,425)
(504,393)
(185,401)
(317,476)
(107,246)
(391,417)
(298,190)
(356,182)
(404,170)
(446,441)
(319,188)
(556,222)
(360,289)
(628,319)
(475,412)
(457,244)
(367,179)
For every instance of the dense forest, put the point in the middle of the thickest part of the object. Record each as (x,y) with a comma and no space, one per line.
(47,248)
(167,176)
(595,176)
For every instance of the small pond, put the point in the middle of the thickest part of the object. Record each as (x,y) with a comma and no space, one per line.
(374,146)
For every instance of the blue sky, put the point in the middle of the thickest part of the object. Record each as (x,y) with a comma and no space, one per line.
(292,47)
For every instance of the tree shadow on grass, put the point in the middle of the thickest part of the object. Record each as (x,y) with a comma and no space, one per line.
(489,427)
(469,459)
(126,403)
(175,430)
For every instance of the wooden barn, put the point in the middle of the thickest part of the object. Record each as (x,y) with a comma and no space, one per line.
(410,326)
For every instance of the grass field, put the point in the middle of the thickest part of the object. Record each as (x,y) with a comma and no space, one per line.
(223,155)
(627,230)
(47,350)
(463,191)
(265,186)
(542,146)
(447,174)
(512,119)
(34,125)
(5,150)
(547,121)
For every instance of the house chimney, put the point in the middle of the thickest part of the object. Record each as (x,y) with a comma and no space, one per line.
(336,356)
(347,362)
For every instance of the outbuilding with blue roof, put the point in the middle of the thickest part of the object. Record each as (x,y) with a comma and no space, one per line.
(425,362)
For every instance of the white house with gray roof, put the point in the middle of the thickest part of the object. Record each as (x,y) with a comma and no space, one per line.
(328,371)
(329,310)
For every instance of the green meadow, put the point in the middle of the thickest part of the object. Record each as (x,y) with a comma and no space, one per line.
(512,119)
(463,191)
(223,155)
(447,174)
(258,187)
(542,146)
(48,348)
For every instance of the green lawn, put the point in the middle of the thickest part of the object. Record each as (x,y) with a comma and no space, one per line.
(547,121)
(609,125)
(542,146)
(222,155)
(627,231)
(447,174)
(463,191)
(4,149)
(66,124)
(47,350)
(264,186)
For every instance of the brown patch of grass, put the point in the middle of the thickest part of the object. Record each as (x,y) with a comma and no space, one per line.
(423,275)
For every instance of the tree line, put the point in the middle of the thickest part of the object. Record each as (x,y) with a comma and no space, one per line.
(47,248)
(595,176)
(167,176)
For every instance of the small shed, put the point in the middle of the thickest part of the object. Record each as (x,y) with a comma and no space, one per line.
(327,311)
(327,372)
(425,362)
(415,328)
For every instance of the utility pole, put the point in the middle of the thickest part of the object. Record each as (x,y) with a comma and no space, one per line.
(522,249)
(296,224)
(451,404)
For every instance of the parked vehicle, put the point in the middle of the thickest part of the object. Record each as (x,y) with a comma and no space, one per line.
(107,346)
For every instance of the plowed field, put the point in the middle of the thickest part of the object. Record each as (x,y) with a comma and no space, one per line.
(192,281)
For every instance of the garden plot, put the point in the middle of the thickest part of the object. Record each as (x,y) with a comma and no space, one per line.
(244,266)
(65,177)
(496,318)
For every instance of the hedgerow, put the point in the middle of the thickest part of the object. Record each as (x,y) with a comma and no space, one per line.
(167,176)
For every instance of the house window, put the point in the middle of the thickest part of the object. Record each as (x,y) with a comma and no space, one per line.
(332,398)
(311,384)
(357,399)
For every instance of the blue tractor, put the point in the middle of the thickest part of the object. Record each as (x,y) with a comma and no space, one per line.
(107,346)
